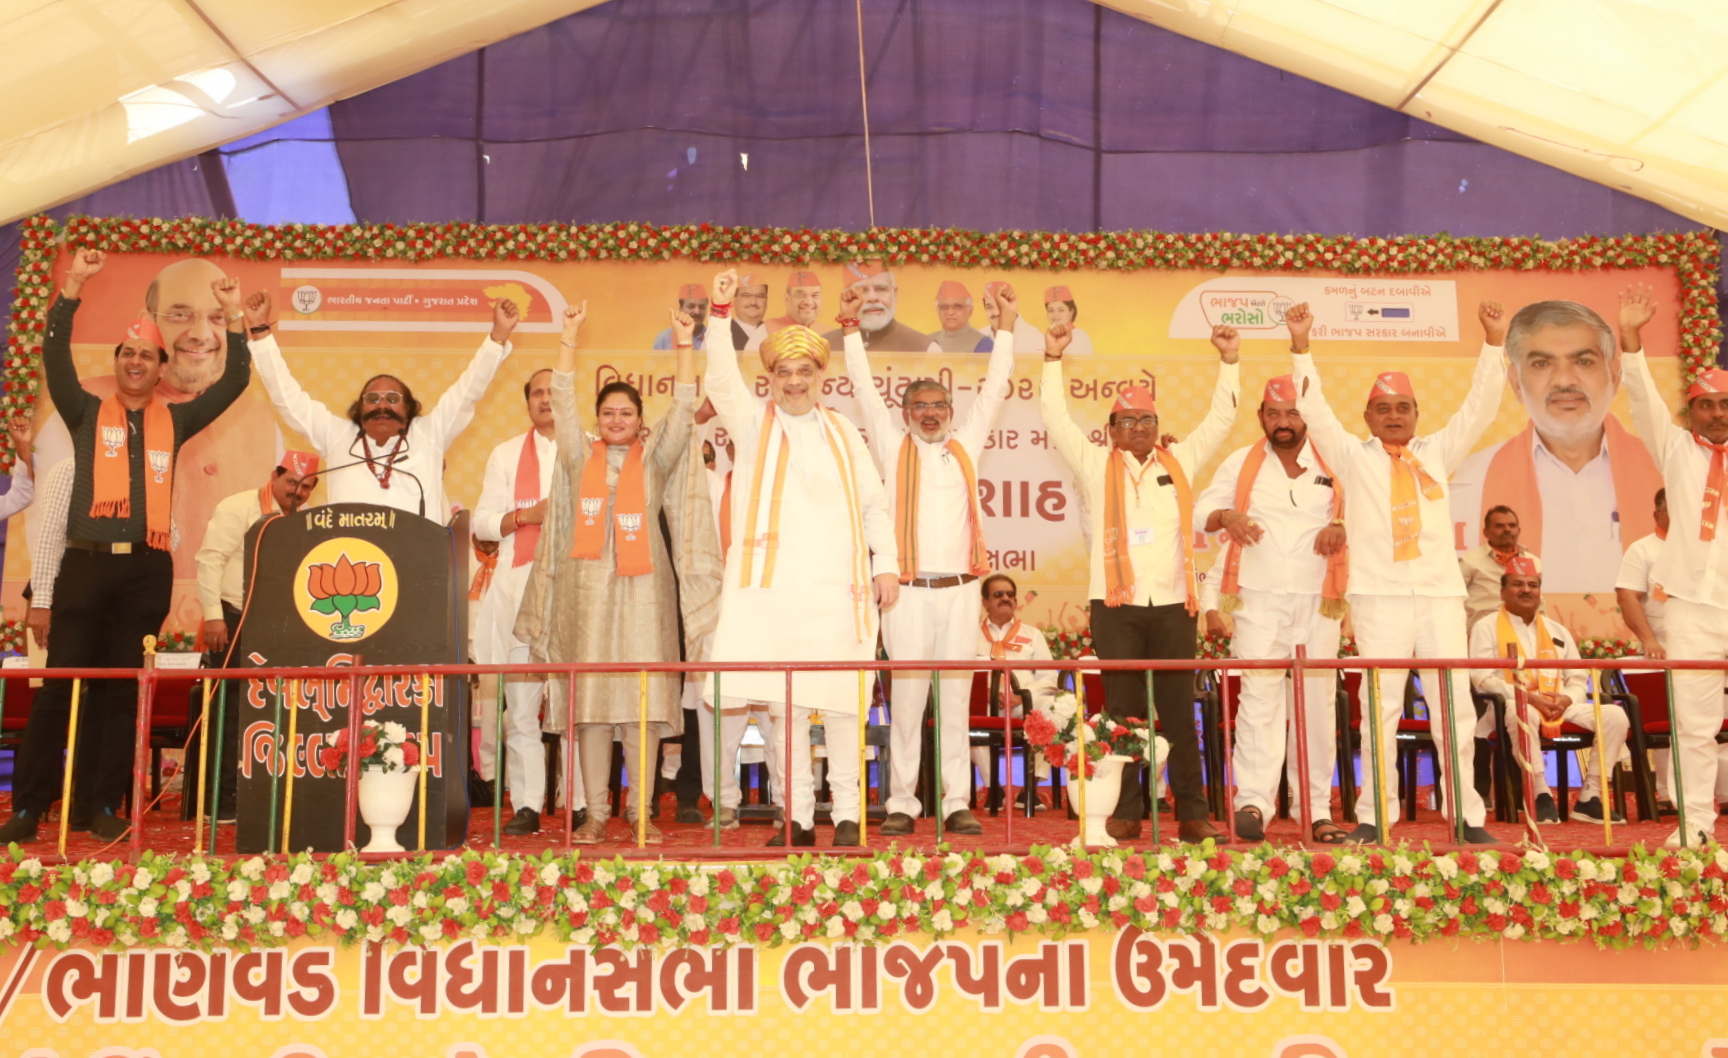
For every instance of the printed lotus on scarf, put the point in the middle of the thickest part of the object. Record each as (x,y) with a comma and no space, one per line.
(343,588)
(383,746)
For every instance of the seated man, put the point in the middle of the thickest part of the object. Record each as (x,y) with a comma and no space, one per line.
(1002,636)
(1555,696)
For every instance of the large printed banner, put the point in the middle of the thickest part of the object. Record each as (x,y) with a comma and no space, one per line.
(974,995)
(1585,488)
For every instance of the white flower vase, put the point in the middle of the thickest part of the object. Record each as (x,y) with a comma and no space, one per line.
(386,797)
(1102,791)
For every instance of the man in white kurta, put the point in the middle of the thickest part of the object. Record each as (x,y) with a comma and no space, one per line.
(1143,603)
(941,547)
(1406,594)
(1693,567)
(1280,547)
(399,445)
(1554,696)
(511,510)
(1004,637)
(812,557)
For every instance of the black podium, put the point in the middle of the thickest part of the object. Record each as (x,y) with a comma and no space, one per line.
(329,585)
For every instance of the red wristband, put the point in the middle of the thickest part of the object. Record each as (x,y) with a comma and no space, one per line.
(720,312)
(846,321)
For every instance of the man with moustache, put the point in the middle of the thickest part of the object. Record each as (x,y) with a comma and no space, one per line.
(929,465)
(389,449)
(749,308)
(1406,594)
(1578,480)
(882,333)
(692,302)
(812,559)
(803,302)
(1284,573)
(954,309)
(1484,564)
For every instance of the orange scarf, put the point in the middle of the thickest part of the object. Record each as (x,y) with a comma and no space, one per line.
(1545,680)
(484,566)
(111,477)
(527,495)
(906,508)
(1713,487)
(1511,482)
(1407,475)
(1507,561)
(629,512)
(1337,579)
(999,647)
(1118,567)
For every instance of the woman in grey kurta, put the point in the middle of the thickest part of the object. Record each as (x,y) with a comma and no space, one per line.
(596,609)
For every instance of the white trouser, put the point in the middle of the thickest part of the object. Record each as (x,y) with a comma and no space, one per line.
(1615,726)
(840,732)
(931,624)
(1420,626)
(733,724)
(1664,767)
(1272,625)
(524,753)
(1697,632)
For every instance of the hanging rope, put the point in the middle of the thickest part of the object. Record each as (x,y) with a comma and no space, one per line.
(1523,734)
(864,95)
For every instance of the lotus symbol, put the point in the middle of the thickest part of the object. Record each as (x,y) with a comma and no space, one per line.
(342,588)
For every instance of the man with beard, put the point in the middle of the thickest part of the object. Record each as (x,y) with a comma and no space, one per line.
(1579,481)
(803,302)
(1284,572)
(930,468)
(232,454)
(398,444)
(1407,596)
(881,331)
(692,302)
(954,309)
(749,308)
(1484,564)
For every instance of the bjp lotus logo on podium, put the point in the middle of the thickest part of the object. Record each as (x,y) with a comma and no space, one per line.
(346,589)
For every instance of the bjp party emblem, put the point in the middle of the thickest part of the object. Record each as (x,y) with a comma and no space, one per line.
(346,589)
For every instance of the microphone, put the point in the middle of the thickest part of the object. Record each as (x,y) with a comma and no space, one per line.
(392,459)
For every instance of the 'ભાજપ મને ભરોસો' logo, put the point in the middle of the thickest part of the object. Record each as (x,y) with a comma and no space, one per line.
(346,589)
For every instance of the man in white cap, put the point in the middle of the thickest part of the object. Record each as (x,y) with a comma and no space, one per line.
(1693,567)
(1284,572)
(1406,594)
(930,468)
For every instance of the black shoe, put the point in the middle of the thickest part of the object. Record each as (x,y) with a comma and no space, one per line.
(690,814)
(898,824)
(108,826)
(21,828)
(846,834)
(802,837)
(578,819)
(78,822)
(1479,836)
(1591,811)
(1546,813)
(525,821)
(480,792)
(1364,834)
(1250,825)
(964,823)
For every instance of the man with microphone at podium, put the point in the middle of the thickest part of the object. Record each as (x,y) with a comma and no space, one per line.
(389,449)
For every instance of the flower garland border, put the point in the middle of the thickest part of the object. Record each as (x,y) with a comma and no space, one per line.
(1652,897)
(1694,254)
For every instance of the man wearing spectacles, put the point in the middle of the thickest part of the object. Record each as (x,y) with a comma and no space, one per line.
(389,449)
(1143,589)
(930,464)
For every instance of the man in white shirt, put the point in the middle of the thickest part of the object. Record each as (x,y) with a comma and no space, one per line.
(929,465)
(1555,696)
(1575,474)
(389,449)
(749,310)
(1143,590)
(1693,567)
(1483,565)
(812,559)
(1283,579)
(1406,594)
(511,510)
(1002,636)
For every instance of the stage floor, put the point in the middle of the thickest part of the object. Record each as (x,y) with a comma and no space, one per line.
(167,833)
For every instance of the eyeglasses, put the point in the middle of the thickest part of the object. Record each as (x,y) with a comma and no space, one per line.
(920,407)
(383,396)
(183,317)
(1002,595)
(1144,422)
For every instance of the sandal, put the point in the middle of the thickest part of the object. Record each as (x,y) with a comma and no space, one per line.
(1327,832)
(1250,824)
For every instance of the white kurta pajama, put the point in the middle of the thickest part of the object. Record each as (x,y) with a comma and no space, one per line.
(1411,608)
(419,463)
(814,609)
(1694,573)
(1026,644)
(1280,580)
(495,641)
(937,624)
